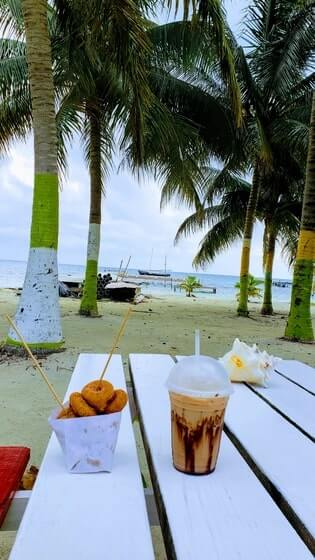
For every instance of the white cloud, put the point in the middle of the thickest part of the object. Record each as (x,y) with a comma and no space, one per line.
(21,164)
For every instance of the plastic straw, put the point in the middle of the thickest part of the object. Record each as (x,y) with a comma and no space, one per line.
(35,362)
(197,342)
(117,339)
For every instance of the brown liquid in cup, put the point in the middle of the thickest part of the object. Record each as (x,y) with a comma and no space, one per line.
(197,425)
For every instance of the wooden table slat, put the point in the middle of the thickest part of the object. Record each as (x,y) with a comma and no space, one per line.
(300,373)
(225,515)
(280,451)
(291,400)
(88,516)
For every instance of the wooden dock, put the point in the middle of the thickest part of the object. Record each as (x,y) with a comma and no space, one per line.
(174,282)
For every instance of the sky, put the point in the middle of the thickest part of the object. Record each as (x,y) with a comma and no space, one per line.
(132,223)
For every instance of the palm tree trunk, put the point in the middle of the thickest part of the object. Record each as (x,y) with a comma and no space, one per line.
(38,316)
(299,325)
(89,300)
(267,308)
(248,231)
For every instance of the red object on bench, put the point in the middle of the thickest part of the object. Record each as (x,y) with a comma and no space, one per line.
(13,461)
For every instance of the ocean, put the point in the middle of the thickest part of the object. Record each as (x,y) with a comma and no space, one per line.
(12,276)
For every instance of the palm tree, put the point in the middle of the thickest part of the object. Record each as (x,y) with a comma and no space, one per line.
(37,316)
(98,85)
(102,84)
(276,82)
(253,290)
(221,208)
(299,325)
(116,92)
(273,82)
(281,201)
(190,284)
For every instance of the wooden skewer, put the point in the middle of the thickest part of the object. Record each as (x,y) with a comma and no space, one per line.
(35,362)
(117,339)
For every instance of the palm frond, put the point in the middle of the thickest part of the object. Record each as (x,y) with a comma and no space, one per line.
(11,19)
(13,67)
(220,182)
(218,239)
(106,141)
(15,120)
(212,15)
(210,115)
(182,46)
(289,246)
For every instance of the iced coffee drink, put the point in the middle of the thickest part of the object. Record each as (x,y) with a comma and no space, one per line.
(199,390)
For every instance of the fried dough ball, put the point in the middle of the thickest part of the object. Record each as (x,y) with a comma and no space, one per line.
(98,394)
(66,412)
(118,402)
(80,406)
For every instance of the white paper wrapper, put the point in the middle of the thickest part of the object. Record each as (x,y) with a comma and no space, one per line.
(88,443)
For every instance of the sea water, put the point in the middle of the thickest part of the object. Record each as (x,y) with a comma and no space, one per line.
(12,276)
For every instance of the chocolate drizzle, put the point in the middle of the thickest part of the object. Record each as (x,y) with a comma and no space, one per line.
(204,436)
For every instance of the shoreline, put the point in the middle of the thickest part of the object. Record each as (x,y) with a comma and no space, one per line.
(151,291)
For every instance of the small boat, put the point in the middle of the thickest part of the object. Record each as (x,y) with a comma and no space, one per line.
(122,291)
(154,273)
(150,272)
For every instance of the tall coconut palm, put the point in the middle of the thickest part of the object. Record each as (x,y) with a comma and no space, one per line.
(94,80)
(299,325)
(273,78)
(276,78)
(281,201)
(117,85)
(37,316)
(222,210)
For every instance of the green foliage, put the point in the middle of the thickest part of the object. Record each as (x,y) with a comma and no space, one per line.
(253,290)
(276,76)
(190,284)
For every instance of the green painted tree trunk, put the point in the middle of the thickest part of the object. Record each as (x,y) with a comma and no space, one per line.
(267,308)
(89,299)
(38,316)
(247,239)
(299,326)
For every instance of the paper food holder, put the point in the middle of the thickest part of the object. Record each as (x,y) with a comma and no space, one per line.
(88,443)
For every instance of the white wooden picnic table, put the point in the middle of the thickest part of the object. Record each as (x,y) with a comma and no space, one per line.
(98,516)
(257,504)
(245,509)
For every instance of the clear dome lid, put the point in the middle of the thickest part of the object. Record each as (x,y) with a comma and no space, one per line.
(199,376)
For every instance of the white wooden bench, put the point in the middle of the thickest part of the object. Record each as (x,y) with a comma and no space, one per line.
(230,513)
(88,517)
(257,505)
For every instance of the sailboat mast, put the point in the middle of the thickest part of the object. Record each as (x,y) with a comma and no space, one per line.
(150,263)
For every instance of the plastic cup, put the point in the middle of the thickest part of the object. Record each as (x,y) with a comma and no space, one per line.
(199,389)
